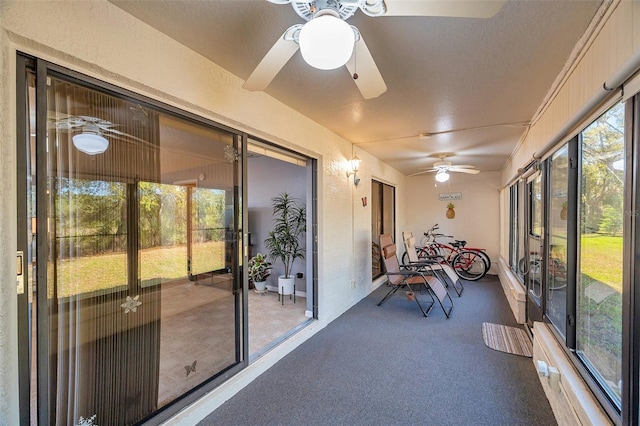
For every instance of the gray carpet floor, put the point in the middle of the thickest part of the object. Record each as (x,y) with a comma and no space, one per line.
(389,365)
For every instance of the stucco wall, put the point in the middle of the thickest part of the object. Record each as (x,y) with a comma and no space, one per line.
(8,299)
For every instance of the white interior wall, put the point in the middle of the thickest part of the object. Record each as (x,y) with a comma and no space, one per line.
(477,213)
(268,177)
(156,66)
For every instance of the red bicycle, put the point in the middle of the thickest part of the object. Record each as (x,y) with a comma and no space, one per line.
(470,263)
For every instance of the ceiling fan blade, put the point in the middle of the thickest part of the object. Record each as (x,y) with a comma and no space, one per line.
(67,123)
(457,8)
(469,171)
(272,63)
(111,132)
(369,81)
(422,172)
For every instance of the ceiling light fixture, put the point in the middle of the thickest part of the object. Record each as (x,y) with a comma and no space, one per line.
(326,41)
(90,143)
(442,176)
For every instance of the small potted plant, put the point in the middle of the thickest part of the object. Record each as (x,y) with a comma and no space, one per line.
(259,270)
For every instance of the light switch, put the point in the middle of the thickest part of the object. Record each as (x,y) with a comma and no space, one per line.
(543,370)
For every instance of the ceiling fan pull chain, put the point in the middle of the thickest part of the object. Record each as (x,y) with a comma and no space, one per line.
(355,62)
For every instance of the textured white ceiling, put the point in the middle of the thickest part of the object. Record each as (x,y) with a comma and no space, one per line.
(485,75)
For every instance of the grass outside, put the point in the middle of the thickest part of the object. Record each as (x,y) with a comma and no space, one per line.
(109,271)
(601,259)
(600,321)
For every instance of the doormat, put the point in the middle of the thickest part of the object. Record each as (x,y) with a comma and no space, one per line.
(507,339)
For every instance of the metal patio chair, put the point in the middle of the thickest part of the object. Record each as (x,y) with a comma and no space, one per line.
(436,263)
(401,277)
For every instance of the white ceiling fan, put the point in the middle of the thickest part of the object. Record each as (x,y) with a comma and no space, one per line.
(326,41)
(443,168)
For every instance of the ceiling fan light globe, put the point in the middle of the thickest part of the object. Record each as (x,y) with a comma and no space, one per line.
(326,42)
(90,143)
(442,176)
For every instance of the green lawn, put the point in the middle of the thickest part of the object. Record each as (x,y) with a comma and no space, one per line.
(600,320)
(601,259)
(109,271)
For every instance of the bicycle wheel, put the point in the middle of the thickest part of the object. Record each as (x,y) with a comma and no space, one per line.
(469,265)
(423,254)
(485,256)
(405,258)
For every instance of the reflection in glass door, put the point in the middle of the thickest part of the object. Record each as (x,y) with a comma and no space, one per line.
(558,248)
(140,296)
(534,258)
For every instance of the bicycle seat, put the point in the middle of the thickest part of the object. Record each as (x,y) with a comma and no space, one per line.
(459,243)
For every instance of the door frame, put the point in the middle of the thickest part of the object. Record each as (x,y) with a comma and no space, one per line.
(534,309)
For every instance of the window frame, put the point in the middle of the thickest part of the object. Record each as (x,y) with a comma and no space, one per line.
(629,410)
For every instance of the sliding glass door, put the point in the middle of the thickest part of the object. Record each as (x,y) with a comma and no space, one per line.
(135,217)
(535,244)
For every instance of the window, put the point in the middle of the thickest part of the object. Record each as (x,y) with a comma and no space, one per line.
(556,264)
(600,252)
(535,200)
(517,229)
(513,225)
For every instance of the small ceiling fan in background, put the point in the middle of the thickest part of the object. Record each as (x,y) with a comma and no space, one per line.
(443,168)
(327,42)
(90,133)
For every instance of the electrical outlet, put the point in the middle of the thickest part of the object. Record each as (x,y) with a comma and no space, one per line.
(353,284)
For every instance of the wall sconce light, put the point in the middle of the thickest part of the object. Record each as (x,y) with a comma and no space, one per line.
(355,166)
(442,176)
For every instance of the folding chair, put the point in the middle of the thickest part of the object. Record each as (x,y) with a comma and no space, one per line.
(437,263)
(406,278)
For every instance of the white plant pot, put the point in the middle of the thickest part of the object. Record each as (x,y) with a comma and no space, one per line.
(285,285)
(260,285)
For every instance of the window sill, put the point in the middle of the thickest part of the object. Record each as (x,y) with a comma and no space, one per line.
(571,400)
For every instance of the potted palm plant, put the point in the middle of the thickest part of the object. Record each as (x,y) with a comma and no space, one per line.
(283,242)
(259,270)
